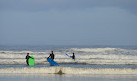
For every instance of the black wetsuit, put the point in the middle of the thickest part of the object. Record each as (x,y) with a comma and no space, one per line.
(51,56)
(27,58)
(73,57)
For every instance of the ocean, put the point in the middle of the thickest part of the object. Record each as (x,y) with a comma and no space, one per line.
(92,63)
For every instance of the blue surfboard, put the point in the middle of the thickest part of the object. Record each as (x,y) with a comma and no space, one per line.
(52,63)
(69,56)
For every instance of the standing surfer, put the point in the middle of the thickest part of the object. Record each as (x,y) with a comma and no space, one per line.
(51,55)
(27,58)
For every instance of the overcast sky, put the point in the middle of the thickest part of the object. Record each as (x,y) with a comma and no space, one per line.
(68,22)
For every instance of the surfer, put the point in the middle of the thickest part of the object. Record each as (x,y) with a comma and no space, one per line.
(51,55)
(27,58)
(73,56)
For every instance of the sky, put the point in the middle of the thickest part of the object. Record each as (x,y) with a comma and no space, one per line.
(68,22)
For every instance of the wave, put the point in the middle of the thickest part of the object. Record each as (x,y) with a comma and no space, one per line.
(83,55)
(105,51)
(68,70)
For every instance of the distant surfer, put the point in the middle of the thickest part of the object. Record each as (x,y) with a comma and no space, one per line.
(51,55)
(27,58)
(73,56)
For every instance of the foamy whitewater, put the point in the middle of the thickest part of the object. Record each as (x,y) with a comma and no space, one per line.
(83,55)
(88,56)
(68,70)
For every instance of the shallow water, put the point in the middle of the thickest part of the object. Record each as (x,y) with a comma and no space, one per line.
(74,65)
(55,77)
(84,55)
(93,63)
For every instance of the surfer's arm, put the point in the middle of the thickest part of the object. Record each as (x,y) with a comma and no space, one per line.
(49,56)
(31,57)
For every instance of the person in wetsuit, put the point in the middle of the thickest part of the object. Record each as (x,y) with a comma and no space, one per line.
(73,56)
(27,58)
(51,55)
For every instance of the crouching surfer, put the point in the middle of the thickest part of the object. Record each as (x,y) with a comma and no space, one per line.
(51,55)
(27,58)
(73,56)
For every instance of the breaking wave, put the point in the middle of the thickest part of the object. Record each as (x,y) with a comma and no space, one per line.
(83,55)
(68,70)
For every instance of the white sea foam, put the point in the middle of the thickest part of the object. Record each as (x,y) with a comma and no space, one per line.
(83,55)
(68,70)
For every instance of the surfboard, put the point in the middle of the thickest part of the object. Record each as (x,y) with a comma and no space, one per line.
(70,56)
(52,63)
(31,61)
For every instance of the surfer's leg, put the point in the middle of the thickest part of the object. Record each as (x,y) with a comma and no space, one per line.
(27,62)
